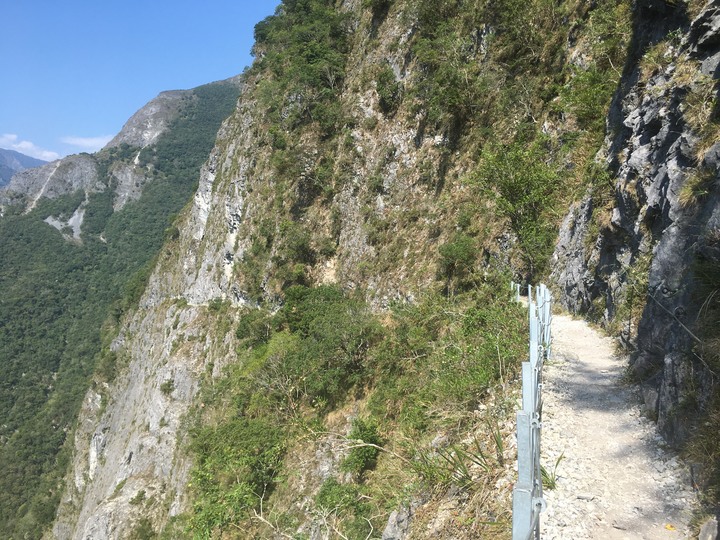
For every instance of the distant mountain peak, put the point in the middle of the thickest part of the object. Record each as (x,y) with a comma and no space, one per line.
(146,125)
(12,162)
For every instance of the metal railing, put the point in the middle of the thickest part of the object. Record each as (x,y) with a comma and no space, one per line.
(528,500)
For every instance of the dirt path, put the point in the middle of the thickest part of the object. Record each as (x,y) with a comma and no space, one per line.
(615,481)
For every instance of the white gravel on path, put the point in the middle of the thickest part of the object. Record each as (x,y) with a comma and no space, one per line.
(616,480)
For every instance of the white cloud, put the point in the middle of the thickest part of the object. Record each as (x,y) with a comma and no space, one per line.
(12,142)
(88,144)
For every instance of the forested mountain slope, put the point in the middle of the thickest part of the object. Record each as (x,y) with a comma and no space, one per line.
(78,239)
(324,346)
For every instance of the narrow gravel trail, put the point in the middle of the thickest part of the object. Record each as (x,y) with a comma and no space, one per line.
(615,480)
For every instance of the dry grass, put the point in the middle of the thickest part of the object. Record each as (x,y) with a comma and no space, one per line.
(696,187)
(466,496)
(694,8)
(699,101)
(699,108)
(635,292)
(476,501)
(656,59)
(687,71)
(709,135)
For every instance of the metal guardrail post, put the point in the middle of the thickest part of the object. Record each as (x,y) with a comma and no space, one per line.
(547,309)
(529,398)
(515,291)
(534,331)
(523,492)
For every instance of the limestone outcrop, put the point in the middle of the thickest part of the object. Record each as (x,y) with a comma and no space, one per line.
(636,262)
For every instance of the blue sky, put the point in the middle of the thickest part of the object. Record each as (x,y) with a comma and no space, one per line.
(74,71)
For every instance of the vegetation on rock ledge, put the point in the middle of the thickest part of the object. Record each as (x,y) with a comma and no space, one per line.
(421,369)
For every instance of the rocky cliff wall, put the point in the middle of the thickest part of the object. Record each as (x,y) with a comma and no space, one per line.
(131,459)
(130,445)
(58,178)
(633,260)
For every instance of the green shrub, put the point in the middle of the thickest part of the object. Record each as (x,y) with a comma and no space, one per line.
(388,90)
(454,86)
(296,242)
(335,496)
(237,462)
(304,47)
(135,286)
(361,457)
(523,183)
(587,95)
(445,350)
(139,498)
(167,387)
(106,367)
(277,138)
(457,256)
(327,247)
(217,305)
(336,334)
(346,501)
(143,530)
(609,30)
(254,327)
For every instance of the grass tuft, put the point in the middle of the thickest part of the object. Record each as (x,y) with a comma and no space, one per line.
(697,186)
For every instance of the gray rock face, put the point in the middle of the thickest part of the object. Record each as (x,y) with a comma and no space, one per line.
(80,172)
(130,182)
(135,444)
(70,174)
(146,125)
(704,35)
(60,177)
(570,272)
(130,448)
(709,530)
(656,223)
(398,524)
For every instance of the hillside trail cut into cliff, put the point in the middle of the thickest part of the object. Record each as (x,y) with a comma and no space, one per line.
(615,479)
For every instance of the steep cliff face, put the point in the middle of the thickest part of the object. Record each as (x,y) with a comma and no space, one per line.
(78,237)
(640,257)
(382,151)
(131,443)
(364,201)
(62,177)
(128,453)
